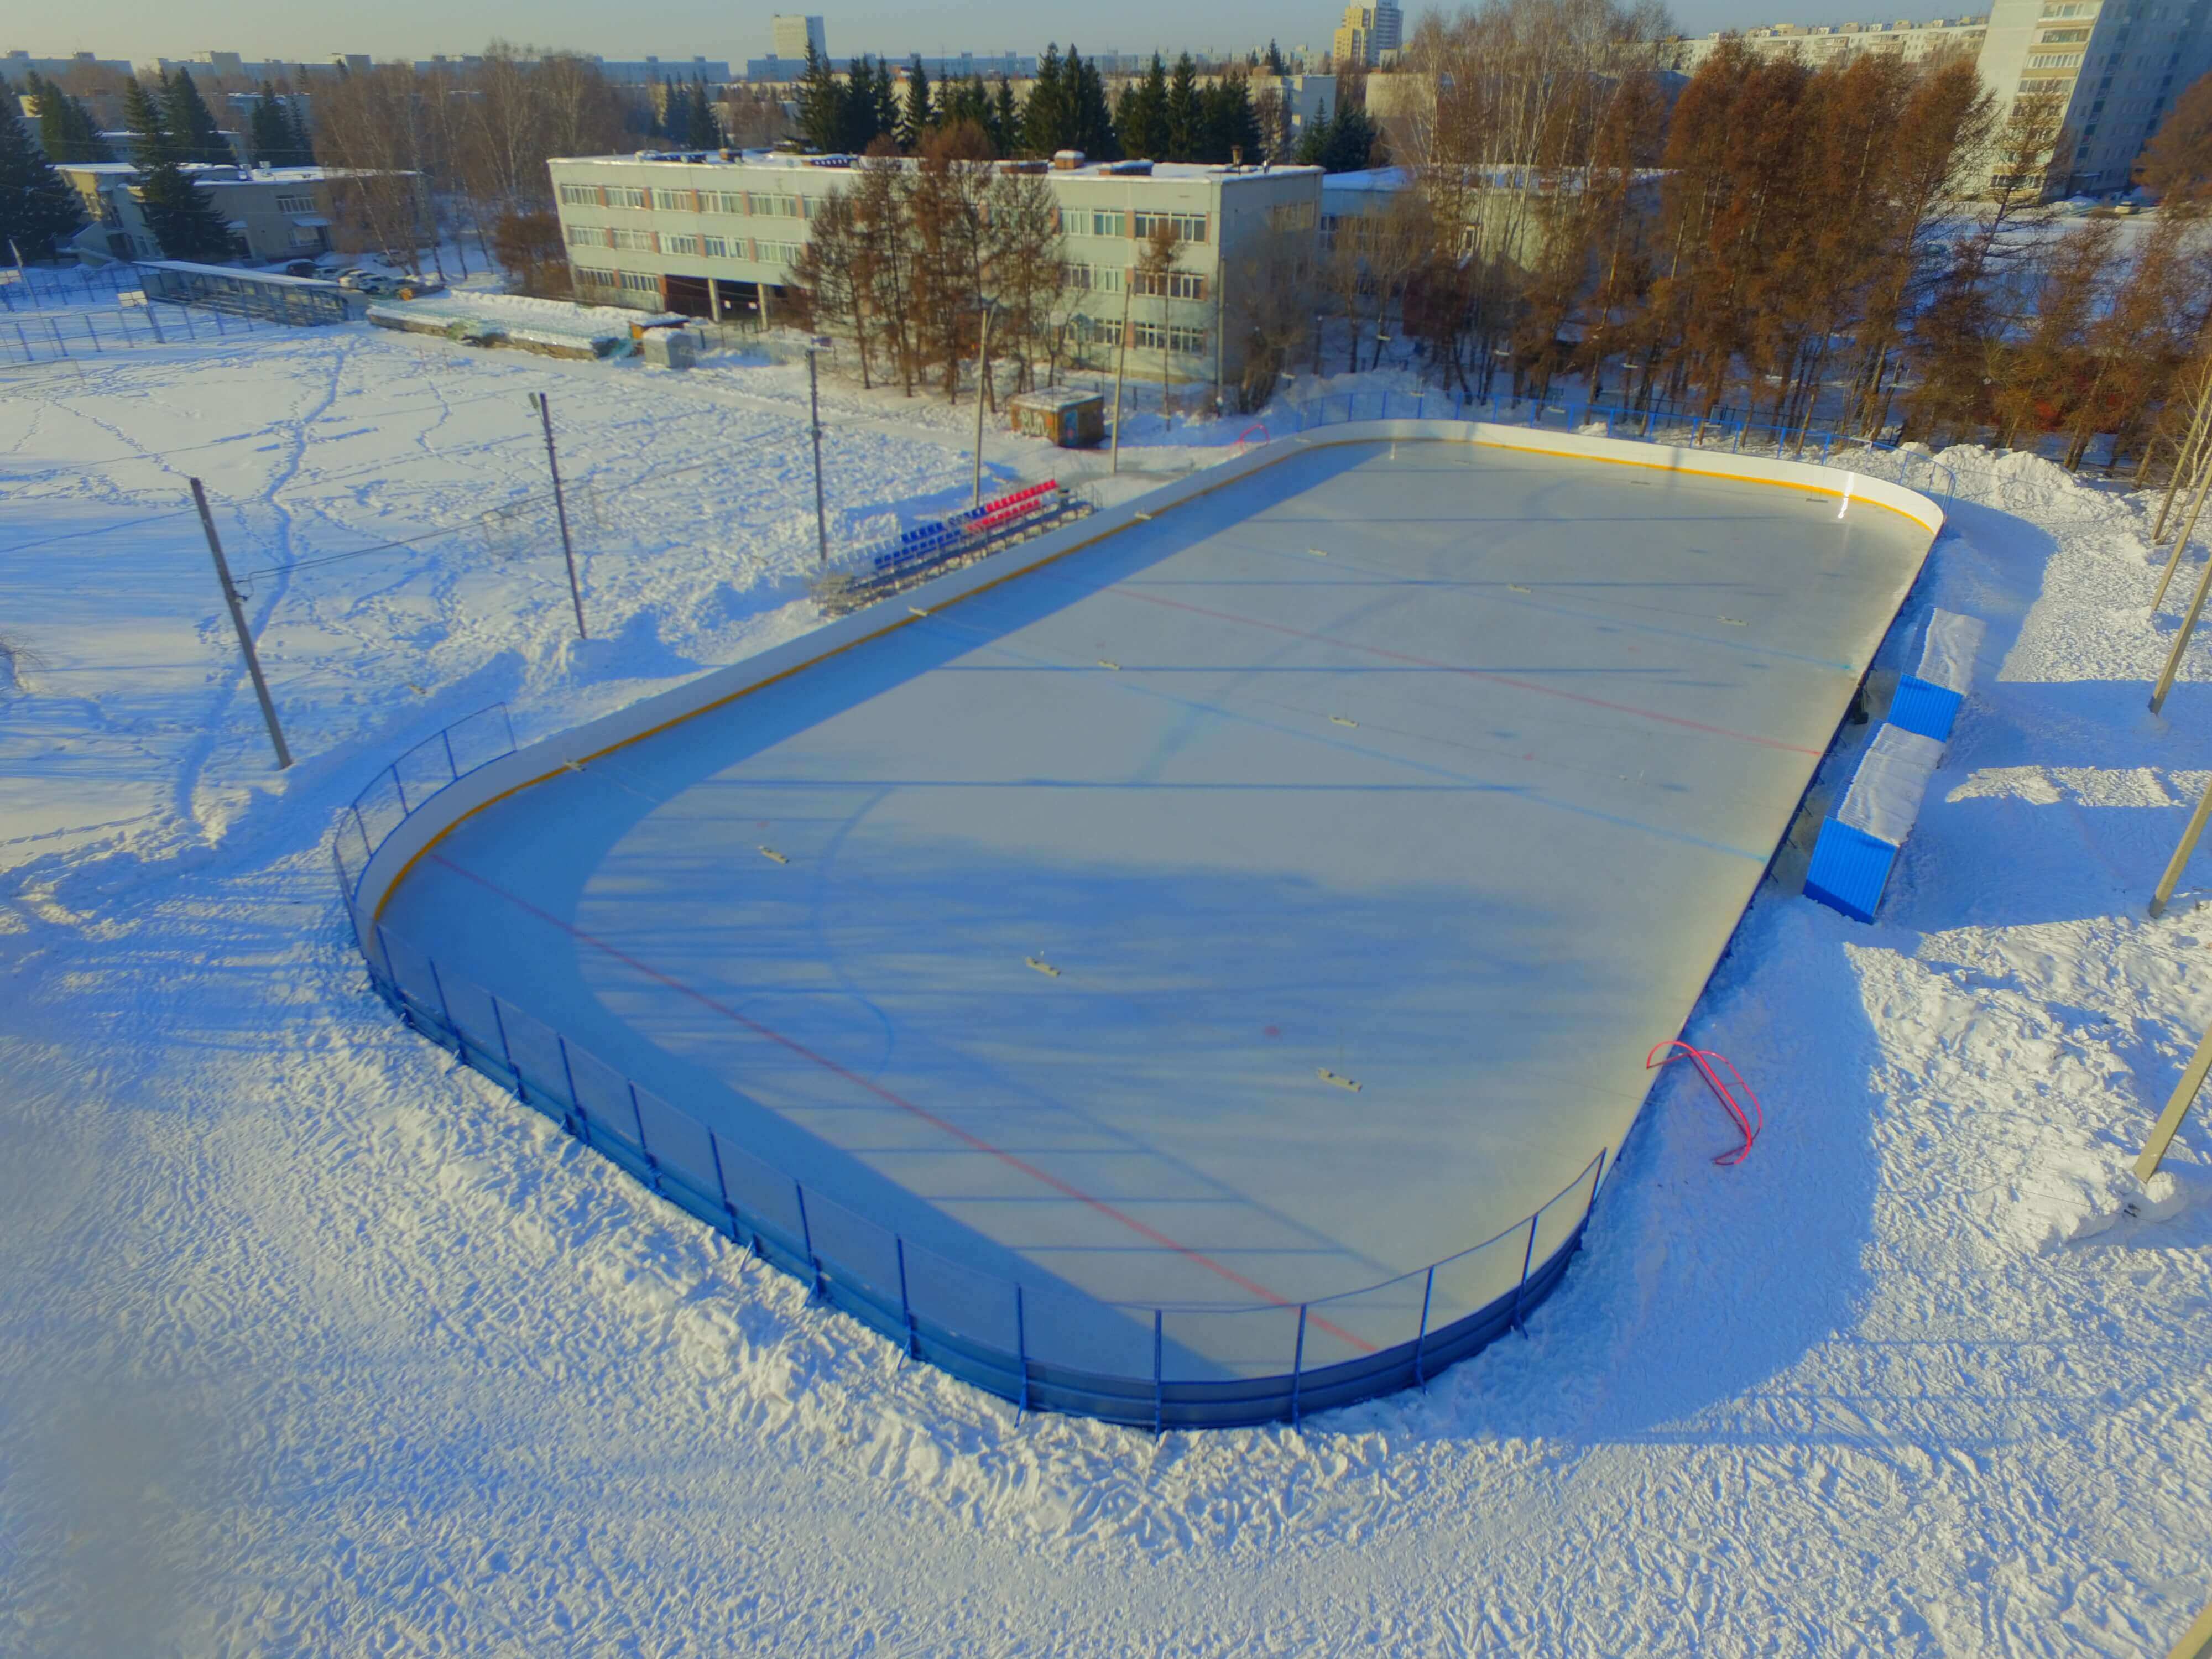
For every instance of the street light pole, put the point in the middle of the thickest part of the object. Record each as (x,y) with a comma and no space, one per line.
(1120,370)
(814,417)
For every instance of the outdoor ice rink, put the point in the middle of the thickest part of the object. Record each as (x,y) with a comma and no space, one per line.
(1051,928)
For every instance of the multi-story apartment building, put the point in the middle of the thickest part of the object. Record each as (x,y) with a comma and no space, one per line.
(715,235)
(1367,32)
(2113,66)
(1825,43)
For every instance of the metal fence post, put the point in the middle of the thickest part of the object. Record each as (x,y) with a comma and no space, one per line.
(806,1237)
(1527,1256)
(1022,1344)
(453,1025)
(652,1164)
(722,1184)
(397,783)
(55,329)
(905,1302)
(453,770)
(1421,1337)
(578,1119)
(1297,1365)
(232,598)
(1159,1389)
(507,1053)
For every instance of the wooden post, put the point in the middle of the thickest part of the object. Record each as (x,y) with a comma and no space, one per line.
(2188,625)
(814,417)
(2181,541)
(2197,1641)
(2186,459)
(232,597)
(2177,1108)
(2175,865)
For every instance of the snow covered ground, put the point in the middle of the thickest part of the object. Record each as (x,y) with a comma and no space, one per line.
(311,1347)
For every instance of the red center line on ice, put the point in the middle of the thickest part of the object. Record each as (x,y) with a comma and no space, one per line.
(1151,1234)
(1472,673)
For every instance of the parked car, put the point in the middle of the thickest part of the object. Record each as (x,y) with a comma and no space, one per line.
(369,282)
(303,267)
(415,282)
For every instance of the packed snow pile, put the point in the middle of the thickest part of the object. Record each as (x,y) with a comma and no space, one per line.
(314,1346)
(475,314)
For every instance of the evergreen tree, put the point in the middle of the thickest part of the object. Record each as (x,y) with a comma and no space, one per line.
(1343,145)
(39,211)
(303,147)
(1228,121)
(884,106)
(917,118)
(1141,118)
(1275,60)
(268,132)
(1182,135)
(1046,119)
(149,137)
(184,220)
(190,127)
(67,132)
(1006,124)
(1086,96)
(820,104)
(700,131)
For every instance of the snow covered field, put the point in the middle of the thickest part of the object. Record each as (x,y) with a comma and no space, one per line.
(312,1347)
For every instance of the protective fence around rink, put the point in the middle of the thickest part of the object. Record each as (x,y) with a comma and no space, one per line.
(1036,1345)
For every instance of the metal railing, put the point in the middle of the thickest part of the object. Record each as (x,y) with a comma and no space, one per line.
(1041,1346)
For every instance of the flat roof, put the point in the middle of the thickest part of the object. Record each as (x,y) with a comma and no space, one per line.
(1053,928)
(836,165)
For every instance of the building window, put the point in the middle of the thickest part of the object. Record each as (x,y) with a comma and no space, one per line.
(675,244)
(580,196)
(714,248)
(675,201)
(1172,285)
(2061,37)
(633,239)
(587,277)
(586,236)
(731,201)
(1091,279)
(626,196)
(640,282)
(1291,215)
(777,252)
(1188,227)
(305,236)
(2055,60)
(1183,342)
(295,205)
(1096,222)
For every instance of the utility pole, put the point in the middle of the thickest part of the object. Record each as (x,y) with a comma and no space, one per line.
(1120,370)
(983,381)
(814,417)
(231,598)
(560,510)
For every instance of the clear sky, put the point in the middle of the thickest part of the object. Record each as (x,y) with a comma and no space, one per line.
(142,29)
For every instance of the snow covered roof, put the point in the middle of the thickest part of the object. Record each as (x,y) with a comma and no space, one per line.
(785,159)
(244,272)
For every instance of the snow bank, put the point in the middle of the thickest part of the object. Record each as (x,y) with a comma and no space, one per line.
(311,1347)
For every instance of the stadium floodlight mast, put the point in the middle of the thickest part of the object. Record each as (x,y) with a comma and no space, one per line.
(820,343)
